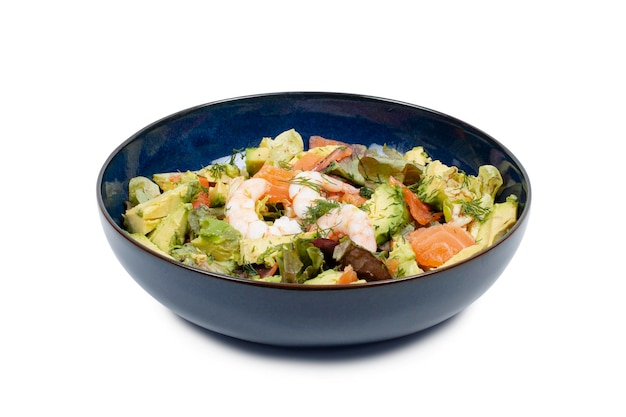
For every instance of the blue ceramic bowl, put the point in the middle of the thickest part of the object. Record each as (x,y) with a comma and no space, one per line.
(293,314)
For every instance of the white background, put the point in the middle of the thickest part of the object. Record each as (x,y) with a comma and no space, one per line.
(81,338)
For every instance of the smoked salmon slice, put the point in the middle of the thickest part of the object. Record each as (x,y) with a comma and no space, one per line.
(434,245)
(279,179)
(420,211)
(311,161)
(307,161)
(348,276)
(316,141)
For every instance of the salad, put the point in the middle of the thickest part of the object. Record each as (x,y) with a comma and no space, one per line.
(333,213)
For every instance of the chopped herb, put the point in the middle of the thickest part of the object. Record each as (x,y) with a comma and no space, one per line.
(305,182)
(249,270)
(475,210)
(366,192)
(317,210)
(233,155)
(217,170)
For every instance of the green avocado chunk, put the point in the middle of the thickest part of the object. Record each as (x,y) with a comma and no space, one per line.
(144,240)
(502,217)
(256,158)
(387,211)
(145,217)
(170,232)
(282,149)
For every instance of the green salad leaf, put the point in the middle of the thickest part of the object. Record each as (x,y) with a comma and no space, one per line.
(370,167)
(299,261)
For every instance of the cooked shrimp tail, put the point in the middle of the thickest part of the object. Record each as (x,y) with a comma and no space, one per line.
(242,214)
(348,220)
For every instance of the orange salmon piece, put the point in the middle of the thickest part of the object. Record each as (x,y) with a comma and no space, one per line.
(420,211)
(307,162)
(279,181)
(316,141)
(434,245)
(311,161)
(348,276)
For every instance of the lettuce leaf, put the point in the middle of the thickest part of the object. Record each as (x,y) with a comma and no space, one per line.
(299,261)
(370,167)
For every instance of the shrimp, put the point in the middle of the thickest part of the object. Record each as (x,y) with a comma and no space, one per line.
(350,221)
(242,215)
(241,207)
(307,186)
(284,226)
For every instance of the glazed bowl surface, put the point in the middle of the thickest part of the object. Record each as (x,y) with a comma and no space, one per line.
(295,314)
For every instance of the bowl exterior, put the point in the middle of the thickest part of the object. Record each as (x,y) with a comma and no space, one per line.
(296,315)
(312,317)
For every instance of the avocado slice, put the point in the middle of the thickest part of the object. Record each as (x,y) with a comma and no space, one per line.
(144,240)
(387,211)
(218,194)
(171,231)
(402,253)
(170,180)
(283,148)
(502,217)
(256,158)
(145,217)
(328,277)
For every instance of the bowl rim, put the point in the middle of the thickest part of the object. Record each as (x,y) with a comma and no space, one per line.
(522,218)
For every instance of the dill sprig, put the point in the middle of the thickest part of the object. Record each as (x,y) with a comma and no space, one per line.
(422,186)
(217,170)
(248,270)
(475,210)
(306,182)
(317,210)
(285,165)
